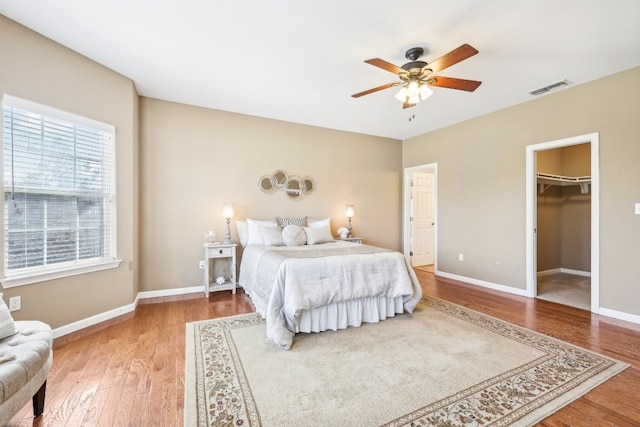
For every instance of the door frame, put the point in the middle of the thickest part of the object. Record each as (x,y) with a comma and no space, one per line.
(406,209)
(531,212)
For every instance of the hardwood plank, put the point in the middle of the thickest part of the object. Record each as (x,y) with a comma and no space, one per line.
(116,373)
(94,410)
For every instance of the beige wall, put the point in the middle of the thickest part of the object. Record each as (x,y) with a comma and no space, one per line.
(549,229)
(564,213)
(576,210)
(40,70)
(481,183)
(193,160)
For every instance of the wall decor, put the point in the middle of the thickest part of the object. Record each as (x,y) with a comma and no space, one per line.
(293,186)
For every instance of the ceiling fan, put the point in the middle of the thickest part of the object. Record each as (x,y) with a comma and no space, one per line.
(416,76)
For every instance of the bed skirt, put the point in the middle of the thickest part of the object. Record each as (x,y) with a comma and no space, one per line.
(341,315)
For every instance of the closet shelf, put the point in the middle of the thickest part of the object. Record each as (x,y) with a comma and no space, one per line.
(546,180)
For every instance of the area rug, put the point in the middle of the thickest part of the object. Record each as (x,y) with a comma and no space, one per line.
(443,365)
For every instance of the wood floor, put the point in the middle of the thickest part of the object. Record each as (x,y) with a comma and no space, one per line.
(130,371)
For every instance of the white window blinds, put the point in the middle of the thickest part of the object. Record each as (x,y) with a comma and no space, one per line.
(58,189)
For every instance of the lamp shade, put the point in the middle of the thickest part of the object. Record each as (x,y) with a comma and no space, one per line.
(227,211)
(413,92)
(425,91)
(349,212)
(402,94)
(413,89)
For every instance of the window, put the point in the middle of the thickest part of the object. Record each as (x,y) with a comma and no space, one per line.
(59,193)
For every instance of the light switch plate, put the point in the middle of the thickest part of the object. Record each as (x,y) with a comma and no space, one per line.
(637,208)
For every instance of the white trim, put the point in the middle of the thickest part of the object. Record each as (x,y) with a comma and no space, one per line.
(42,276)
(45,110)
(490,285)
(563,270)
(111,314)
(94,320)
(98,318)
(170,292)
(548,272)
(621,315)
(605,312)
(530,221)
(576,272)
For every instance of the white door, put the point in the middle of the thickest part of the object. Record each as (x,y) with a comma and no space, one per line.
(422,218)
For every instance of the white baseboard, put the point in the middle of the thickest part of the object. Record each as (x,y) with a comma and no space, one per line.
(494,286)
(575,272)
(111,314)
(170,292)
(563,270)
(98,318)
(94,320)
(549,272)
(620,315)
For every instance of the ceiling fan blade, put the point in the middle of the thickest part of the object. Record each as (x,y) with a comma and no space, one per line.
(387,66)
(406,105)
(375,89)
(453,83)
(456,55)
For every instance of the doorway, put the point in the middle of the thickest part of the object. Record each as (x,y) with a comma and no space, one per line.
(537,183)
(419,217)
(563,225)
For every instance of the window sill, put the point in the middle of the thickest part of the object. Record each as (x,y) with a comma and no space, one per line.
(15,281)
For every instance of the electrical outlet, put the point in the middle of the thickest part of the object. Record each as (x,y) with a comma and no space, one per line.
(460,257)
(637,206)
(15,303)
(201,265)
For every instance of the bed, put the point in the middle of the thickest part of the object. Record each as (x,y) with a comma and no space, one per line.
(323,284)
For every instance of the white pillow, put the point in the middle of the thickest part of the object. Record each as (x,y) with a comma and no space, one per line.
(317,235)
(319,222)
(293,235)
(7,325)
(272,236)
(243,231)
(255,237)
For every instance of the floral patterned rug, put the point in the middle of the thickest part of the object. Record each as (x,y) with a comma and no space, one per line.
(444,365)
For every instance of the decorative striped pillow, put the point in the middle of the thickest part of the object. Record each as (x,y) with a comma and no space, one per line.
(7,325)
(283,222)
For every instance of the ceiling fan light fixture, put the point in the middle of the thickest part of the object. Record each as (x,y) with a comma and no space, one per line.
(402,94)
(416,77)
(413,92)
(425,91)
(415,98)
(413,89)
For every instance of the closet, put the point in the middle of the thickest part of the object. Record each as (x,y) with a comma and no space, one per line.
(564,225)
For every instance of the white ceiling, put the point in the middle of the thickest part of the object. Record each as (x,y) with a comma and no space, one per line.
(300,61)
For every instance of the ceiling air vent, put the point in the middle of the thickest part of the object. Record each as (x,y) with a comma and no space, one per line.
(549,88)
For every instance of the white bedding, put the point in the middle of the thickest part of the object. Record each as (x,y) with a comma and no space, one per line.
(338,280)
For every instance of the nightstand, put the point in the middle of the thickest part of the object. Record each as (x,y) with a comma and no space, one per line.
(212,253)
(352,239)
